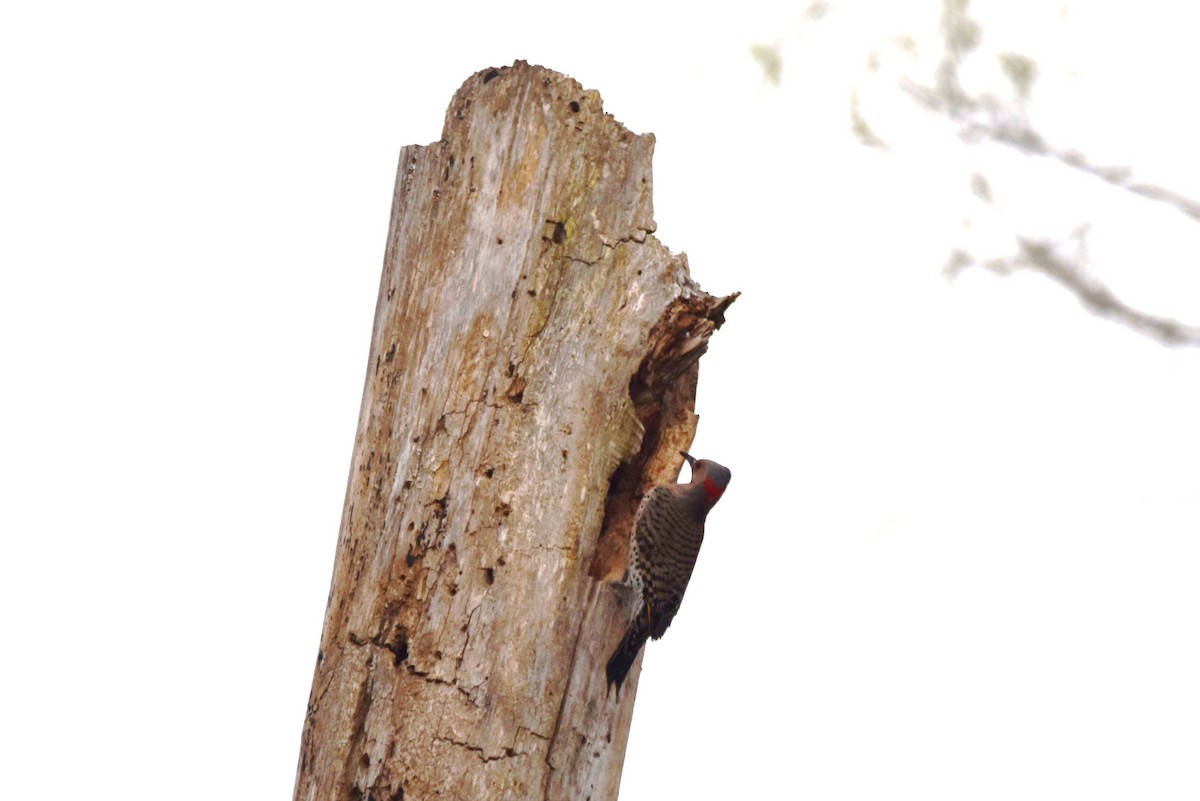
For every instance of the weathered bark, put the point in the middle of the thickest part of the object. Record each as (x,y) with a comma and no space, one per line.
(532,371)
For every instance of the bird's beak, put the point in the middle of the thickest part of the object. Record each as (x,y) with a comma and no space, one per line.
(690,459)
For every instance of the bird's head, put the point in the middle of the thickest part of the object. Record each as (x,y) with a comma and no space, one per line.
(714,478)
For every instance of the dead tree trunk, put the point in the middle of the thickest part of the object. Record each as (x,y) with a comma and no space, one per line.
(532,371)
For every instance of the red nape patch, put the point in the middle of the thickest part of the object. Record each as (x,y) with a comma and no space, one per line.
(714,492)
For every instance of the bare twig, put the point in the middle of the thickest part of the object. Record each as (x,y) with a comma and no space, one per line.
(986,118)
(1042,256)
(983,117)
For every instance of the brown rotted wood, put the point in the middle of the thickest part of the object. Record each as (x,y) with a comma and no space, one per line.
(534,347)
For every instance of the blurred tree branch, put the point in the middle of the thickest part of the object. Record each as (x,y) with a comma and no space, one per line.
(1045,257)
(983,117)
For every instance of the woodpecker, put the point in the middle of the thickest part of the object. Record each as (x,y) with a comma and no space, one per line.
(667,533)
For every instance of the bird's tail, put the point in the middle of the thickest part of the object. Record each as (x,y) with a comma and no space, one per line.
(622,658)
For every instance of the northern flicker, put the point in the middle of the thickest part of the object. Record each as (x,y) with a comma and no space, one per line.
(667,534)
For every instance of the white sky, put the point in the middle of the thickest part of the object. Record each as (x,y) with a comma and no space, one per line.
(959,555)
